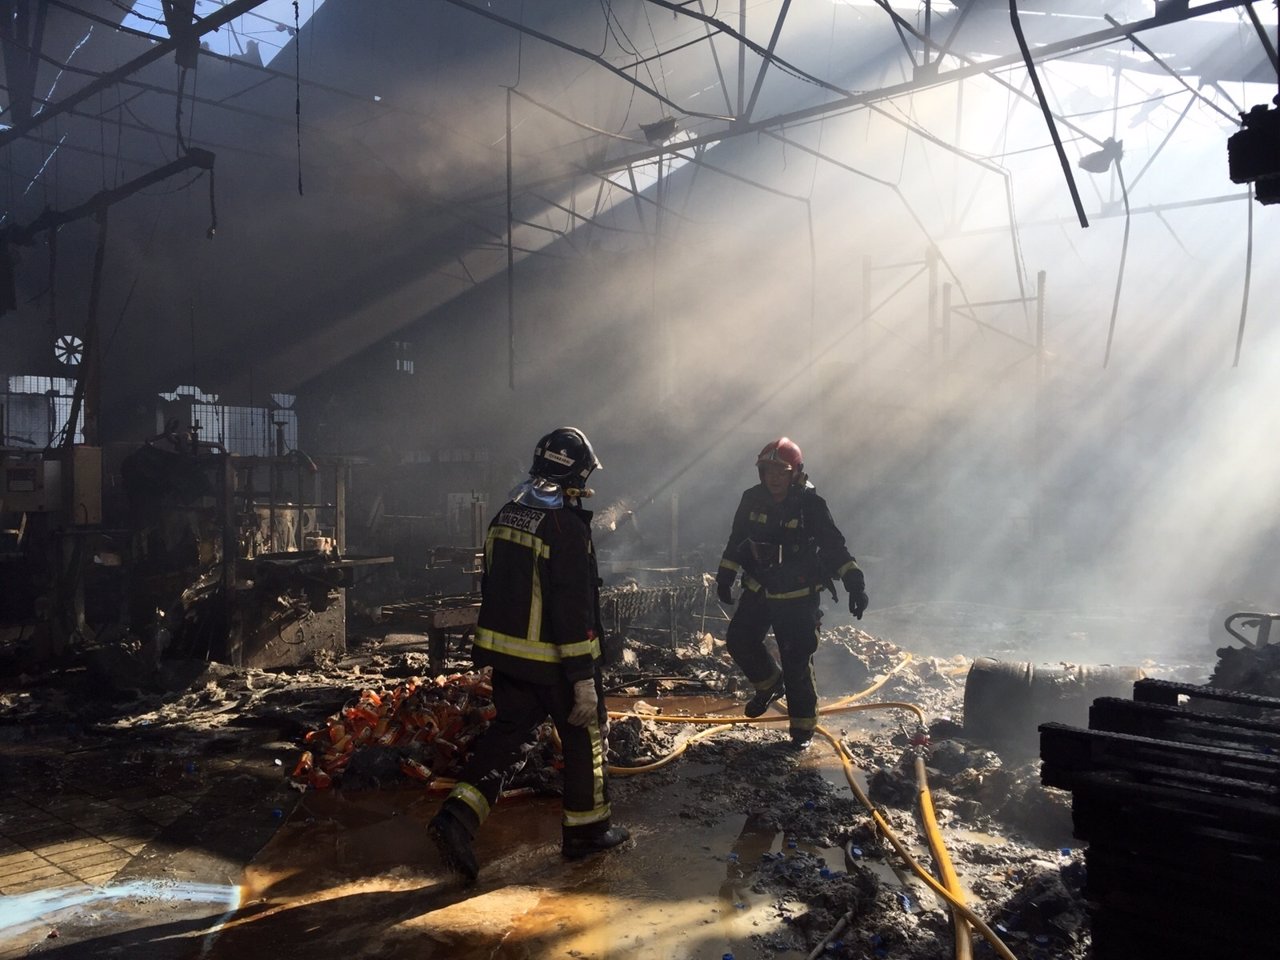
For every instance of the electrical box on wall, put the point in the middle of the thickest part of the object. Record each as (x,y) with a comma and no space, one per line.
(30,484)
(34,483)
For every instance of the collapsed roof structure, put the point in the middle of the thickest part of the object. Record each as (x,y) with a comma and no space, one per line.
(287,289)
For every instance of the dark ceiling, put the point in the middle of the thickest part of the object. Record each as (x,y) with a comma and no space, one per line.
(360,181)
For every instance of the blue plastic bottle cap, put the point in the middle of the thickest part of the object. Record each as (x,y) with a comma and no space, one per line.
(856,851)
(791,844)
(1065,851)
(727,956)
(733,856)
(277,813)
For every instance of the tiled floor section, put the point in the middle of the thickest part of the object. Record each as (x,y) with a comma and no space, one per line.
(93,826)
(74,839)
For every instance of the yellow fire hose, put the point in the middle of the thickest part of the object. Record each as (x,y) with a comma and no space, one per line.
(949,890)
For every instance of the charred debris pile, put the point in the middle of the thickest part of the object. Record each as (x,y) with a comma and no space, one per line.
(378,718)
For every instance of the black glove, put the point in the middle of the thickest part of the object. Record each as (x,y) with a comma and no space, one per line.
(855,584)
(724,586)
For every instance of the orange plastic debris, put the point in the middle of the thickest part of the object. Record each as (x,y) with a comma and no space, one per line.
(305,764)
(413,768)
(448,713)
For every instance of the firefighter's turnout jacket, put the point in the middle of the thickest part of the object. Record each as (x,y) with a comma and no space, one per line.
(540,611)
(786,549)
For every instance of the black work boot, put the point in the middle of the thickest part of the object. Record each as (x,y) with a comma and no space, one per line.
(453,839)
(577,847)
(759,703)
(800,739)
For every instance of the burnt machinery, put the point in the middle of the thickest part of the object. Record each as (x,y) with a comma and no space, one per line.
(175,549)
(1259,623)
(240,559)
(666,610)
(52,541)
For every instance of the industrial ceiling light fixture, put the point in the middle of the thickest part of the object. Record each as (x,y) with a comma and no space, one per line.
(660,131)
(1253,153)
(1100,160)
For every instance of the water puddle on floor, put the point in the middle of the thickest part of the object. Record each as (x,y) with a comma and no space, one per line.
(354,874)
(357,874)
(83,912)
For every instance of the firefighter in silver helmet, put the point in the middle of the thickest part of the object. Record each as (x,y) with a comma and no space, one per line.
(539,629)
(787,549)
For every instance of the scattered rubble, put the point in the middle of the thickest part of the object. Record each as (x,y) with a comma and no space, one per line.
(370,720)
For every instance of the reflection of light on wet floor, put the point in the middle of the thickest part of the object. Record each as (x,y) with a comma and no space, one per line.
(49,906)
(357,870)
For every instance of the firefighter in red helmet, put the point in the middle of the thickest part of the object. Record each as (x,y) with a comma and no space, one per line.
(787,549)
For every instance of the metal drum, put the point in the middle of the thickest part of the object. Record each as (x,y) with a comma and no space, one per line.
(1006,701)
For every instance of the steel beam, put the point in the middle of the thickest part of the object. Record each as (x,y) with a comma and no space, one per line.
(198,29)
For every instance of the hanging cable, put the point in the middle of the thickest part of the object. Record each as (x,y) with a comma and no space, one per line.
(177,111)
(1248,273)
(213,207)
(53,285)
(297,90)
(1124,253)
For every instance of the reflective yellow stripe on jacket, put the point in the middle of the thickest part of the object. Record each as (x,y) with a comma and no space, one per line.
(528,649)
(751,583)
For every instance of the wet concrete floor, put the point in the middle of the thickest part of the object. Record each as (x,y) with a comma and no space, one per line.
(352,874)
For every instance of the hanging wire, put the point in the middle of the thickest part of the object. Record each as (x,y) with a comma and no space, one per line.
(519,52)
(1248,256)
(115,182)
(177,111)
(53,284)
(1248,275)
(297,99)
(191,117)
(102,137)
(213,208)
(1124,253)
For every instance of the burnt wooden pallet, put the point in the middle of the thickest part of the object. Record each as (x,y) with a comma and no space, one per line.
(1070,748)
(1161,721)
(1170,692)
(1177,793)
(1121,936)
(1219,830)
(1119,879)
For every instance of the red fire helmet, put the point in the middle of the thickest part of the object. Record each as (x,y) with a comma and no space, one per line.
(782,450)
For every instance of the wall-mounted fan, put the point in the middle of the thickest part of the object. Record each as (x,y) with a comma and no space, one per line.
(68,349)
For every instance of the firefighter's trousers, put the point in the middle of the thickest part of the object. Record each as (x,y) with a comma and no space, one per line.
(795,624)
(522,707)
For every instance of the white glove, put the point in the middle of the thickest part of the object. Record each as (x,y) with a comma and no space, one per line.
(585,703)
